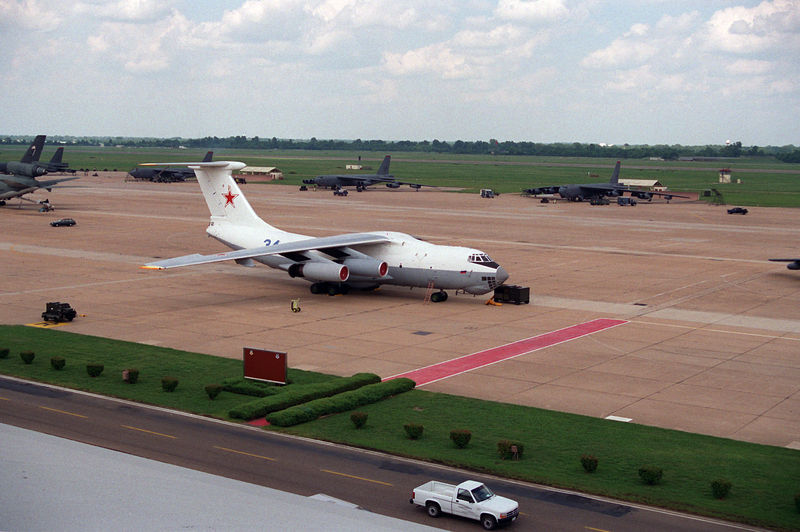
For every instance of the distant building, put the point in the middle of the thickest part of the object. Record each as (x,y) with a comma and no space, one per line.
(644,184)
(353,167)
(725,175)
(268,171)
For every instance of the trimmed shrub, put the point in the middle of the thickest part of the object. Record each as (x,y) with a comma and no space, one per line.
(650,475)
(413,430)
(509,449)
(254,388)
(4,352)
(589,463)
(720,488)
(94,370)
(57,363)
(299,394)
(342,402)
(359,419)
(168,384)
(460,437)
(213,390)
(130,375)
(27,356)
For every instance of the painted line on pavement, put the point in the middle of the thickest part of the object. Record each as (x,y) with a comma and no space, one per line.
(457,366)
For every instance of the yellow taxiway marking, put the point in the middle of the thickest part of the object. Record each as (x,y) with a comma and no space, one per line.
(595,529)
(355,477)
(4,399)
(150,432)
(244,453)
(46,324)
(63,412)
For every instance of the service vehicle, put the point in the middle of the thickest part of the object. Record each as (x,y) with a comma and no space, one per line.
(471,499)
(63,222)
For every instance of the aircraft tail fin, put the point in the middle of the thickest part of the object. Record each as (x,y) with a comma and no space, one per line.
(224,198)
(34,150)
(58,155)
(384,168)
(615,175)
(208,156)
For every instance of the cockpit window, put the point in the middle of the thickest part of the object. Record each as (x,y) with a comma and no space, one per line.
(483,259)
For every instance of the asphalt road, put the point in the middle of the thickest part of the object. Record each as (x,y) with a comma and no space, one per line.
(374,481)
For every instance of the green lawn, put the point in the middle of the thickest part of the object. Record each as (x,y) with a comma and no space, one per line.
(765,478)
(469,173)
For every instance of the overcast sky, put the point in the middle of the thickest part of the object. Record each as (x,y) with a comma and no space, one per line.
(688,72)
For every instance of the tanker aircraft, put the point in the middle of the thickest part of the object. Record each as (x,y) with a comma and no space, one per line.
(333,264)
(361,181)
(591,191)
(18,178)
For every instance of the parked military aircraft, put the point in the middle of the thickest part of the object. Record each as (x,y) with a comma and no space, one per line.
(594,191)
(166,175)
(333,264)
(56,164)
(19,178)
(361,181)
(794,264)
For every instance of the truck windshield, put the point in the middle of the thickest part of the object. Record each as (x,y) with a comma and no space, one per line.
(481,493)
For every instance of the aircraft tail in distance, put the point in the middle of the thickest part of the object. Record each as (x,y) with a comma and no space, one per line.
(384,168)
(615,175)
(34,150)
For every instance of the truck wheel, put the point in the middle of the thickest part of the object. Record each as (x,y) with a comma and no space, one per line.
(433,509)
(488,522)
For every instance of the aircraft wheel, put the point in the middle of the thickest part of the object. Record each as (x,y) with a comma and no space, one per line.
(438,297)
(344,288)
(317,288)
(333,290)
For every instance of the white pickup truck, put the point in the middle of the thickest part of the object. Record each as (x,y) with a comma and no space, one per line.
(470,499)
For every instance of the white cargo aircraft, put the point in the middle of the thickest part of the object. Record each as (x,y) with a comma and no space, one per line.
(333,264)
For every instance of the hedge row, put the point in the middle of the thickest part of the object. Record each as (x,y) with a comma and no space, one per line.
(301,393)
(247,387)
(339,403)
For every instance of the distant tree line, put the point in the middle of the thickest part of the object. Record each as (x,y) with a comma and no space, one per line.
(479,147)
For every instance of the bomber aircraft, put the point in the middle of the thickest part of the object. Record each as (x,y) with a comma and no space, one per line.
(593,191)
(361,181)
(166,175)
(18,178)
(333,264)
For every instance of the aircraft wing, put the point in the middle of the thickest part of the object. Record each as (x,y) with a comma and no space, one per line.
(51,182)
(308,244)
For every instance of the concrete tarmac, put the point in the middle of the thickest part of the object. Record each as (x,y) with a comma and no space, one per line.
(710,345)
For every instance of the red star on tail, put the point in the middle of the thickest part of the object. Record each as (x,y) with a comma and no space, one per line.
(229,197)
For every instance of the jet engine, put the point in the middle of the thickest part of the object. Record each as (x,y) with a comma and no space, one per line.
(393,185)
(367,267)
(320,271)
(794,265)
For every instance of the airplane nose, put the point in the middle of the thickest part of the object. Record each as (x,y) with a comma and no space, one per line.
(501,275)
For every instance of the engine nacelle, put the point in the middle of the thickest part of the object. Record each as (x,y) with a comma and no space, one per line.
(794,265)
(320,271)
(367,267)
(393,185)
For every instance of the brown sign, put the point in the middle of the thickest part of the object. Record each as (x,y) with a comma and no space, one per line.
(264,365)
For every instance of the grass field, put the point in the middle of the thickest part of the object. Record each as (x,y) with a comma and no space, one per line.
(765,181)
(764,478)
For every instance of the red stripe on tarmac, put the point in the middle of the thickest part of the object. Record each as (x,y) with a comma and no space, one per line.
(480,359)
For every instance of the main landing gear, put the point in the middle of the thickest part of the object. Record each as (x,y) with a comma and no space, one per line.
(332,289)
(438,297)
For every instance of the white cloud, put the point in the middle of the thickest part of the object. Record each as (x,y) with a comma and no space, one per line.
(748,67)
(531,10)
(771,24)
(28,14)
(124,10)
(438,59)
